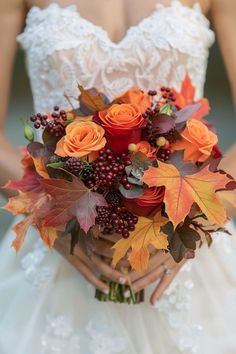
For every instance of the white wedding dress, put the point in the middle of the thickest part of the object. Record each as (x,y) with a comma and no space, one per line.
(46,307)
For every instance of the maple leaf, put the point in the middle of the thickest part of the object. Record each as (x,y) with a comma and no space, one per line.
(147,232)
(35,206)
(72,199)
(22,203)
(181,191)
(186,96)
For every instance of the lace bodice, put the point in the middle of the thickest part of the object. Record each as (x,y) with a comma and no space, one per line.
(63,48)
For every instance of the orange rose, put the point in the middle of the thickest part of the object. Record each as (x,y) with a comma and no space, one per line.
(83,138)
(137,97)
(197,141)
(123,124)
(146,148)
(147,203)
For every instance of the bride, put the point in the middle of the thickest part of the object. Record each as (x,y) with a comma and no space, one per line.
(47,300)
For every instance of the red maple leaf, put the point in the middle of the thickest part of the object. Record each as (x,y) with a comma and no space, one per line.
(71,199)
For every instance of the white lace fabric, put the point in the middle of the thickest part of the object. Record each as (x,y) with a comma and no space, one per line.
(63,49)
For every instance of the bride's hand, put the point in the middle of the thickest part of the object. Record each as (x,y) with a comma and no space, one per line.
(161,268)
(89,267)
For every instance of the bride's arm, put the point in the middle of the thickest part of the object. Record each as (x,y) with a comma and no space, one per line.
(11,22)
(223,16)
(12,14)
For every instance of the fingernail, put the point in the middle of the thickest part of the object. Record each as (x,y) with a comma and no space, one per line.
(106,291)
(122,280)
(155,304)
(127,293)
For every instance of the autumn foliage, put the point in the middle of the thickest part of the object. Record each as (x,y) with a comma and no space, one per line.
(144,166)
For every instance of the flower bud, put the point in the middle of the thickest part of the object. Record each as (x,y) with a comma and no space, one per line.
(161,141)
(28,132)
(132,148)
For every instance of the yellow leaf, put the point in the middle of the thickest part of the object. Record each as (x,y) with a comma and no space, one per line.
(147,231)
(48,235)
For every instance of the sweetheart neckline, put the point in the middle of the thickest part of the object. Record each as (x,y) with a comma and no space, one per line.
(195,7)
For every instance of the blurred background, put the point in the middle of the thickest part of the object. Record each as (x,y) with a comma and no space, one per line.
(217,90)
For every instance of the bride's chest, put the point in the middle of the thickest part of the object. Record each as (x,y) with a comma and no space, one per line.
(62,48)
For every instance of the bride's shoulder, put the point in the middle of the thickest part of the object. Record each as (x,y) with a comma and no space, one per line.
(12,5)
(224,6)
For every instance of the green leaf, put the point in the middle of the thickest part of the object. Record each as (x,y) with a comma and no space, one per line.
(56,165)
(166,109)
(134,180)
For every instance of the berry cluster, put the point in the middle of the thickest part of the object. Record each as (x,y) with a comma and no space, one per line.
(55,125)
(109,170)
(116,219)
(74,165)
(82,169)
(163,154)
(167,94)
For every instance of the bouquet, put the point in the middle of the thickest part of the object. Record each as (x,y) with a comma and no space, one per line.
(143,166)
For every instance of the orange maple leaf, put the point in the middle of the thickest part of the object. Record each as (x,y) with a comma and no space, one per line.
(147,232)
(186,96)
(35,206)
(182,191)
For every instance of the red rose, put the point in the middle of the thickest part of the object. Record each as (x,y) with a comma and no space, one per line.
(147,203)
(123,124)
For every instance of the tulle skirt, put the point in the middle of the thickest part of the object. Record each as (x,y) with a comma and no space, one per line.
(46,307)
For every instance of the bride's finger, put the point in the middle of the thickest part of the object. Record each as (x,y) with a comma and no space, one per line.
(98,265)
(154,262)
(83,269)
(147,279)
(108,271)
(103,248)
(111,238)
(165,281)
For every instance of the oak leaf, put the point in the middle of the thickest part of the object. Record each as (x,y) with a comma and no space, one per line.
(181,191)
(71,199)
(147,232)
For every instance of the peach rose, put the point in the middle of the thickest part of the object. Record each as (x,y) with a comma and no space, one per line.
(146,148)
(197,141)
(123,124)
(82,139)
(137,97)
(147,203)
